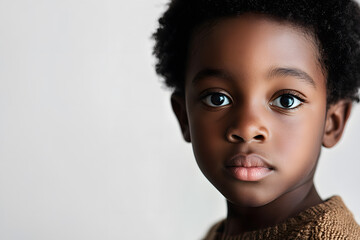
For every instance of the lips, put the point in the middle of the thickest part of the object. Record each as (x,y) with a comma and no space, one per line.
(248,167)
(251,160)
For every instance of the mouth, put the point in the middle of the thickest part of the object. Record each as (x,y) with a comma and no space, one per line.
(249,168)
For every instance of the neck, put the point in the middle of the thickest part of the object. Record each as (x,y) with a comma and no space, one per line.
(244,219)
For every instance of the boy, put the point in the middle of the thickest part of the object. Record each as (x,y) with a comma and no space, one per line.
(259,87)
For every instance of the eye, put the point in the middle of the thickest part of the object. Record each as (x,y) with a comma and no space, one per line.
(216,100)
(287,101)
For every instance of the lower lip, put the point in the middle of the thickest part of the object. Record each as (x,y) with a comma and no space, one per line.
(249,174)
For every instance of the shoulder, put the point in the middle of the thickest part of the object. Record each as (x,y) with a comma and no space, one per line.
(213,231)
(328,220)
(336,222)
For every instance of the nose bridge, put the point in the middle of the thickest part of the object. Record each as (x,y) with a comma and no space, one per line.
(248,123)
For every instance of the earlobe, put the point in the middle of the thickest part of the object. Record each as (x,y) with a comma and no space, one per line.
(336,118)
(179,108)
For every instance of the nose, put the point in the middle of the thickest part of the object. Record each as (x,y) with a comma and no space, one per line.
(248,126)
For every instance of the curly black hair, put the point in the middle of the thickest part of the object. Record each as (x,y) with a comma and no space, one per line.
(334,23)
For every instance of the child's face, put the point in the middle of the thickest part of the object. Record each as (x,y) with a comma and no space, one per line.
(255,98)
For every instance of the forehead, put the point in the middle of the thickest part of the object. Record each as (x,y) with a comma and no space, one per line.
(253,42)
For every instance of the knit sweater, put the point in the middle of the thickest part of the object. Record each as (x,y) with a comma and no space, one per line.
(328,220)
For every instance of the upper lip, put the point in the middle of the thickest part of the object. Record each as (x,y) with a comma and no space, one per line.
(248,161)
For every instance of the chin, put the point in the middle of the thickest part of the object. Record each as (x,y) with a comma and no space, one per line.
(249,199)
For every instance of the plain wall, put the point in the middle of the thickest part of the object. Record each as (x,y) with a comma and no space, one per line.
(89,147)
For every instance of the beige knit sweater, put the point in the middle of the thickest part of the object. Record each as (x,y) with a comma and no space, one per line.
(328,220)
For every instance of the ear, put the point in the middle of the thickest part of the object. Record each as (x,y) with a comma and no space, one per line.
(336,118)
(179,108)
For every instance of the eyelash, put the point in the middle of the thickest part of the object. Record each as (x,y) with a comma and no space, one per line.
(292,93)
(205,97)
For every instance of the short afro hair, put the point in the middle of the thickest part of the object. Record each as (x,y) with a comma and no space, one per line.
(334,23)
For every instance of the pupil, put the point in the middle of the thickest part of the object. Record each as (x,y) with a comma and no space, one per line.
(287,101)
(217,99)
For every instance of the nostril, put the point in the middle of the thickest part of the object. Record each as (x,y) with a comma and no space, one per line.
(236,137)
(259,137)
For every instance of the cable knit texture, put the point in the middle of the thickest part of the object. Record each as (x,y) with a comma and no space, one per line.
(328,220)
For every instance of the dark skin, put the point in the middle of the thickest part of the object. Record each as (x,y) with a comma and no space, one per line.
(254,86)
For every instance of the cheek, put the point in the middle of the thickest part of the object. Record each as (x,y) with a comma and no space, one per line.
(207,137)
(298,140)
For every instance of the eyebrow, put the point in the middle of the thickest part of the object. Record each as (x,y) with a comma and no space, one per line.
(211,72)
(292,72)
(274,72)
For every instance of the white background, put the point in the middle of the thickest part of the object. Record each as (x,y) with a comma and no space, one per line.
(89,147)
